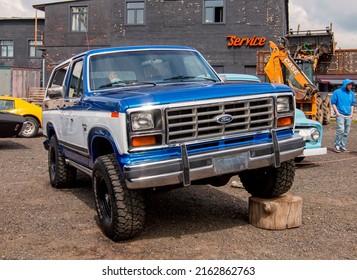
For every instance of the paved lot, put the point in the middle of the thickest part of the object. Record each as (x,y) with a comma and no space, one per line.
(199,222)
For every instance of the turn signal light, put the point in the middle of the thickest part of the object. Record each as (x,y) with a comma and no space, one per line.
(143,141)
(284,121)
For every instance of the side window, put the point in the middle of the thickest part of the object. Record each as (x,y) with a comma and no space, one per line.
(56,87)
(58,77)
(7,104)
(76,80)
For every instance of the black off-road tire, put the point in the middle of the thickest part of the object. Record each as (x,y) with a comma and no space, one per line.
(61,175)
(31,129)
(299,159)
(121,211)
(326,107)
(269,182)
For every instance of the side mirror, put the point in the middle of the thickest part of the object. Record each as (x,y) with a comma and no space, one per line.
(56,92)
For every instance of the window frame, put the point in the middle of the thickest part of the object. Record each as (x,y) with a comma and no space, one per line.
(38,53)
(204,13)
(7,48)
(79,22)
(135,11)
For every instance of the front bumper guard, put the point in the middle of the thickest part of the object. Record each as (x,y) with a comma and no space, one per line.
(193,167)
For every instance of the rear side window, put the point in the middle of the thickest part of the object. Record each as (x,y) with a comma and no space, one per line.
(58,76)
(56,86)
(7,104)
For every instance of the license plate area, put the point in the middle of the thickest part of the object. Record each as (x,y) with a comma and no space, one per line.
(231,163)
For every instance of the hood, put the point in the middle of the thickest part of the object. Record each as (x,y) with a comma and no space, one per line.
(133,97)
(345,83)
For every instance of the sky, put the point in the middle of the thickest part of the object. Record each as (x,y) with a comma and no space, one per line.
(309,14)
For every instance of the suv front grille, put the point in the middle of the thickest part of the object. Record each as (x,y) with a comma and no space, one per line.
(200,121)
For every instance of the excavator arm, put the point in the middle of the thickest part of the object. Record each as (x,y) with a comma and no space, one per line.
(273,69)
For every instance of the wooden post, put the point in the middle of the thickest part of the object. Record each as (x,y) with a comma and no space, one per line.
(281,212)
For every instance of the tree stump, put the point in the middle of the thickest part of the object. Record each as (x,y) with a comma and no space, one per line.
(281,212)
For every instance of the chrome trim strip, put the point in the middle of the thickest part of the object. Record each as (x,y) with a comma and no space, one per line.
(79,167)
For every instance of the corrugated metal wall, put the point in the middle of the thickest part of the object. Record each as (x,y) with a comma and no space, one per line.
(5,81)
(23,79)
(17,81)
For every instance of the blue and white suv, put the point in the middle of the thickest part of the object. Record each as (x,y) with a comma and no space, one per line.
(136,118)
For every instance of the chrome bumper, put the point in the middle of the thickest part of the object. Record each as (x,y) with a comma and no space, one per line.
(314,152)
(203,165)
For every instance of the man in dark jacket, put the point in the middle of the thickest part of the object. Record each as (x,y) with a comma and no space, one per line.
(343,101)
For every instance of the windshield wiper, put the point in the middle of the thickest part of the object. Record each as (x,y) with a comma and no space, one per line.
(115,84)
(182,77)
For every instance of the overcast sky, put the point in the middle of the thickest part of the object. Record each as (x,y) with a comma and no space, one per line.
(310,14)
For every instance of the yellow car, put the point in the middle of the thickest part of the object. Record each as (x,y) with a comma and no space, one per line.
(31,112)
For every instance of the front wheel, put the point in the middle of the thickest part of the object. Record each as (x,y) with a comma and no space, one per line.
(269,182)
(121,211)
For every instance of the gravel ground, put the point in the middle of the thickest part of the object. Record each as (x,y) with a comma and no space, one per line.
(198,222)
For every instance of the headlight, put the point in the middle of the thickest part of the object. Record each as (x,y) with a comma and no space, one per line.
(142,121)
(312,135)
(315,135)
(283,104)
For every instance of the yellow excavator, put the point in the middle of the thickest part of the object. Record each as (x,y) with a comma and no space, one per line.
(298,70)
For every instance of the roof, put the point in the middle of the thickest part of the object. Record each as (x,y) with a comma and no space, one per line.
(42,7)
(20,18)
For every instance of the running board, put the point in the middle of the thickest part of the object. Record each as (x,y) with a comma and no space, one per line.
(79,167)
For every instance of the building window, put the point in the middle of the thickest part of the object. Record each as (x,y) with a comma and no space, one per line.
(135,12)
(33,48)
(214,11)
(7,48)
(79,19)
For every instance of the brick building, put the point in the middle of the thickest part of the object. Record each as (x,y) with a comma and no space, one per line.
(227,32)
(20,55)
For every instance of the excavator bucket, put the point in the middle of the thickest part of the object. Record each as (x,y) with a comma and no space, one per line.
(303,94)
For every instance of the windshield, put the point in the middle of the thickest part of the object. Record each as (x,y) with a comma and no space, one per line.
(121,69)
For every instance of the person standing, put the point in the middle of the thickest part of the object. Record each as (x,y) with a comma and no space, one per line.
(343,101)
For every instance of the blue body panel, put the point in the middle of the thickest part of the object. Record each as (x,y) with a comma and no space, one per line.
(137,96)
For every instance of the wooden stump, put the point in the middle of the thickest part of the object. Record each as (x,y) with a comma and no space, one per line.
(281,212)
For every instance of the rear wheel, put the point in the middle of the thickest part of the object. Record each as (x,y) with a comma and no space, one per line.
(121,211)
(269,181)
(32,127)
(320,111)
(61,175)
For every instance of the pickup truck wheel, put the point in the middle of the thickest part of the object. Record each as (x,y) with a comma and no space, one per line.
(61,175)
(269,181)
(32,127)
(121,211)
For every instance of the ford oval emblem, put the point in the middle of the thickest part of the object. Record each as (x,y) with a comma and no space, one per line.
(223,119)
